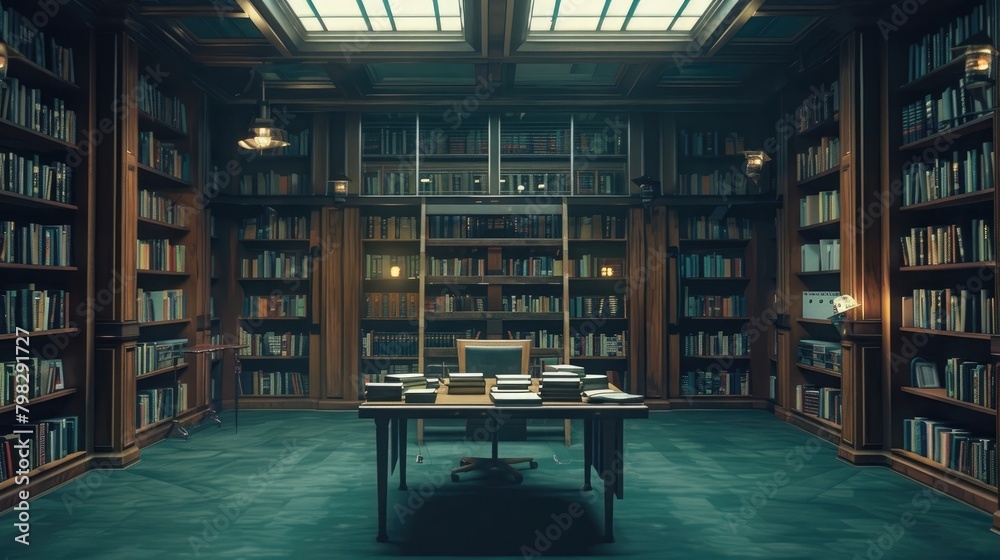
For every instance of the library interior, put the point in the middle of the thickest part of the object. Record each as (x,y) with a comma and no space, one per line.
(373,278)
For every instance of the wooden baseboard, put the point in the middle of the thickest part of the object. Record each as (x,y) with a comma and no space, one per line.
(43,479)
(971,493)
(996,522)
(863,458)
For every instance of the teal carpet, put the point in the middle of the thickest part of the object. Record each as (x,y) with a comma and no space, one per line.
(699,484)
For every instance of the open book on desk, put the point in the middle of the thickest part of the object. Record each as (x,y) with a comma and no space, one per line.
(611,396)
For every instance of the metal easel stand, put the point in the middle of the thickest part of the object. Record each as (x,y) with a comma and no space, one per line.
(177,427)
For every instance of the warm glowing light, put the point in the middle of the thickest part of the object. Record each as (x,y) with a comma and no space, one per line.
(394,272)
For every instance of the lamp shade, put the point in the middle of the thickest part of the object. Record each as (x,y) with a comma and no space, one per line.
(980,60)
(263,135)
(4,60)
(844,303)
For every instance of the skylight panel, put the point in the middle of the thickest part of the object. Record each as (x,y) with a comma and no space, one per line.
(615,16)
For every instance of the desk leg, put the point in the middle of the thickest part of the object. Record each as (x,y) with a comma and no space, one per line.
(611,471)
(588,452)
(393,445)
(402,453)
(382,473)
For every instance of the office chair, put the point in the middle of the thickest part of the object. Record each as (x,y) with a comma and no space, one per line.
(492,357)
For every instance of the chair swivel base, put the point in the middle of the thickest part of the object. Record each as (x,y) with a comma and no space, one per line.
(502,464)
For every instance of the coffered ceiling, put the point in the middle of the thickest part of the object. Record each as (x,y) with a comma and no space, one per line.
(380,53)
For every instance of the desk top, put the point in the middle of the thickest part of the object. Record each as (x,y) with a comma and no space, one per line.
(480,405)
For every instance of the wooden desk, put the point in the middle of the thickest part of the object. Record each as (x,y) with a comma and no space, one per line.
(602,438)
(237,385)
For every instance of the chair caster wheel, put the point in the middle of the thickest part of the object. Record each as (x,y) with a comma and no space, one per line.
(454,478)
(533,465)
(463,462)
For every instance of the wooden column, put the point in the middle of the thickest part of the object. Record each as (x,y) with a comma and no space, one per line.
(114,306)
(340,296)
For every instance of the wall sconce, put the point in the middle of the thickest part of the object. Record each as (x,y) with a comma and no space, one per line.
(607,271)
(980,55)
(263,134)
(4,61)
(755,163)
(339,184)
(841,305)
(394,271)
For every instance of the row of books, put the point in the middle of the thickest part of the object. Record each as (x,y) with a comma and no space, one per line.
(971,382)
(33,310)
(37,244)
(161,305)
(381,343)
(822,256)
(533,266)
(822,105)
(160,254)
(537,226)
(594,182)
(704,227)
(299,144)
(273,226)
(160,106)
(287,305)
(266,183)
(159,354)
(390,227)
(392,266)
(28,176)
(535,184)
(22,105)
(962,173)
(441,182)
(819,208)
(598,345)
(731,182)
(272,343)
(702,382)
(391,305)
(525,303)
(164,157)
(44,376)
(50,439)
(541,338)
(714,306)
(822,402)
(155,206)
(709,143)
(817,159)
(466,266)
(592,266)
(24,34)
(154,405)
(596,227)
(937,112)
(933,49)
(278,383)
(959,310)
(716,344)
(820,353)
(447,339)
(382,182)
(932,245)
(608,141)
(377,139)
(455,141)
(276,264)
(713,265)
(586,307)
(545,142)
(953,448)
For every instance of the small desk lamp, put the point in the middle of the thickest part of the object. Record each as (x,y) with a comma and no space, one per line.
(841,305)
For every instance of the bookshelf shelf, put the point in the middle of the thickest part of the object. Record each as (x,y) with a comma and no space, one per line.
(161,128)
(380,358)
(152,324)
(940,395)
(160,180)
(278,319)
(281,242)
(598,318)
(162,273)
(156,227)
(949,266)
(743,319)
(830,227)
(487,315)
(52,332)
(978,124)
(818,273)
(824,371)
(38,75)
(36,400)
(288,358)
(596,279)
(161,371)
(596,358)
(719,357)
(954,475)
(51,467)
(16,199)
(833,427)
(21,137)
(819,177)
(977,197)
(493,242)
(954,334)
(714,279)
(15,267)
(940,76)
(830,127)
(493,279)
(274,279)
(693,243)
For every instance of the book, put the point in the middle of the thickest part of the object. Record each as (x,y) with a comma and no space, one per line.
(611,396)
(515,398)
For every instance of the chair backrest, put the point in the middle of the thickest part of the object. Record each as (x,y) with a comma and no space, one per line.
(491,357)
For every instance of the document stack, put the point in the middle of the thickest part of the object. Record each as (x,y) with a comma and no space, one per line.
(512,382)
(595,381)
(611,396)
(515,398)
(384,392)
(420,395)
(409,380)
(560,386)
(466,384)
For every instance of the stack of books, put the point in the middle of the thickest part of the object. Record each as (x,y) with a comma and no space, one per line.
(611,396)
(595,381)
(565,368)
(409,380)
(423,395)
(384,391)
(466,384)
(515,398)
(512,382)
(560,386)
